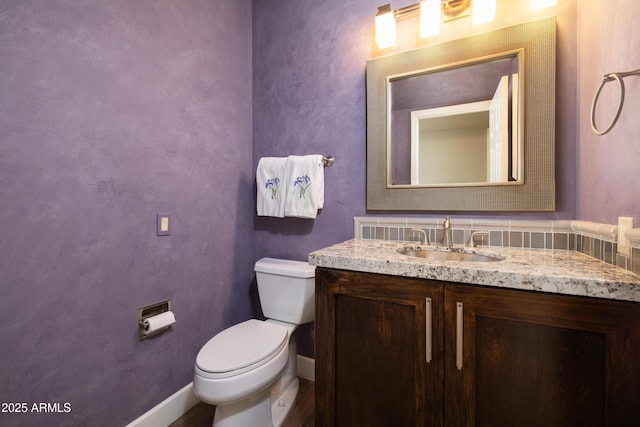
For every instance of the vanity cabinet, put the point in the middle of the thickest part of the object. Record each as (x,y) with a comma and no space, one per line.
(410,352)
(372,366)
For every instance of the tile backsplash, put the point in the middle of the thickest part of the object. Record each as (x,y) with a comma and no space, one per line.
(595,240)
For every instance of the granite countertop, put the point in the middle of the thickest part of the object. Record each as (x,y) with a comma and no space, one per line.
(554,271)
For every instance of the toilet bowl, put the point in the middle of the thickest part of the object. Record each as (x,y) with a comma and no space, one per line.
(249,370)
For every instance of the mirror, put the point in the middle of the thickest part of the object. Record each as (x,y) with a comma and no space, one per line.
(456,134)
(498,91)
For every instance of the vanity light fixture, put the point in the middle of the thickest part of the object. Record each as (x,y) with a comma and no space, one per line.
(430,17)
(483,11)
(541,4)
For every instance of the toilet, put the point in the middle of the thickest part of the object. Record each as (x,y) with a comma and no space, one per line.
(249,370)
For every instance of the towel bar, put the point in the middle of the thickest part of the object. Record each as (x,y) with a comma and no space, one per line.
(609,78)
(328,161)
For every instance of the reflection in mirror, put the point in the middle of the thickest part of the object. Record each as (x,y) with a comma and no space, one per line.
(457,124)
(449,144)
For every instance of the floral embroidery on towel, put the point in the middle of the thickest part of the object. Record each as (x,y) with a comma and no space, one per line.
(273,188)
(302,182)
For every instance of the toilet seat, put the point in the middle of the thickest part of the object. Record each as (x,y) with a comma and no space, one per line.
(241,348)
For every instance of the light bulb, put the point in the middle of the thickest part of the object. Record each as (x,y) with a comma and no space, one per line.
(483,11)
(385,27)
(429,18)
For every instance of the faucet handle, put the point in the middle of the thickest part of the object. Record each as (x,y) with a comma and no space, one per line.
(471,243)
(425,237)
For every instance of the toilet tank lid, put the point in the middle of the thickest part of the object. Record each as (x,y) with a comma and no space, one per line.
(285,267)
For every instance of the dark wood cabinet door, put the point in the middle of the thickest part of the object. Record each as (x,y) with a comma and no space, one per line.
(534,359)
(379,350)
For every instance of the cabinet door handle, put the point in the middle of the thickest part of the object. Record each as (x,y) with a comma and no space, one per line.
(429,332)
(459,331)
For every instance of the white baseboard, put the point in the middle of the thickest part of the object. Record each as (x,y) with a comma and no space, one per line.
(176,405)
(169,410)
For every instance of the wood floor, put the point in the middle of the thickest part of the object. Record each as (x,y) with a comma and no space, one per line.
(301,415)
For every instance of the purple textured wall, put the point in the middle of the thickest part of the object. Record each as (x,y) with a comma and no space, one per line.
(111,112)
(309,97)
(607,180)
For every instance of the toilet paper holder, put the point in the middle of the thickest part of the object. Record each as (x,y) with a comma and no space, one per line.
(151,311)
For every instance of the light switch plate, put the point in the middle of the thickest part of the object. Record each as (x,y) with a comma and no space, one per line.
(163,224)
(625,224)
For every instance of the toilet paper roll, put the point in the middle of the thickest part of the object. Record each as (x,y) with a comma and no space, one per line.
(154,323)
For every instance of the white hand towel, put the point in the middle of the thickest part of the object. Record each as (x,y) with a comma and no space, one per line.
(305,188)
(271,180)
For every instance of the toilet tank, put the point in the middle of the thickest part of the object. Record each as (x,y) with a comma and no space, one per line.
(286,289)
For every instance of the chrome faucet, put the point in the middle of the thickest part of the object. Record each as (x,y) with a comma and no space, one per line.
(425,237)
(447,241)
